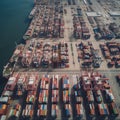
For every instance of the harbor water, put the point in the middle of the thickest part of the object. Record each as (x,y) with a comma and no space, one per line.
(13,24)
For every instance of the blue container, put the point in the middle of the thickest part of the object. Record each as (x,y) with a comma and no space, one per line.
(67,112)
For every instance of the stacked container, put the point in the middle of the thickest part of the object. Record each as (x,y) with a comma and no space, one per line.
(55,82)
(27,55)
(60,55)
(68,110)
(98,96)
(54,110)
(109,95)
(3,109)
(61,28)
(42,110)
(79,110)
(28,111)
(15,111)
(91,109)
(80,28)
(31,97)
(103,109)
(86,82)
(55,96)
(111,52)
(46,59)
(11,84)
(32,82)
(90,97)
(43,97)
(21,84)
(66,96)
(65,82)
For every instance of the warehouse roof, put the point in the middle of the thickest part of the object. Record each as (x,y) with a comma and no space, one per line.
(93,14)
(114,13)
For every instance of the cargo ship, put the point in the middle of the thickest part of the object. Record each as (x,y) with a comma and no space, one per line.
(32,13)
(9,68)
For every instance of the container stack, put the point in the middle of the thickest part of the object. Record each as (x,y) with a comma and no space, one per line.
(78,104)
(48,23)
(111,51)
(42,110)
(65,82)
(81,30)
(103,109)
(3,109)
(78,96)
(79,111)
(109,95)
(66,96)
(46,59)
(61,28)
(86,82)
(11,84)
(21,84)
(98,96)
(33,82)
(90,97)
(37,56)
(55,96)
(55,82)
(43,96)
(91,109)
(28,111)
(31,97)
(27,55)
(67,110)
(84,53)
(54,110)
(77,28)
(15,111)
(60,55)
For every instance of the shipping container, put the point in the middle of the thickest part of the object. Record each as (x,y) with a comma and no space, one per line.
(3,109)
(68,110)
(31,96)
(55,82)
(66,96)
(103,109)
(15,111)
(79,111)
(92,109)
(54,110)
(90,97)
(42,110)
(33,82)
(28,111)
(65,82)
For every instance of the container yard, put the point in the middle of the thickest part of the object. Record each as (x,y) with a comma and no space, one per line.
(69,66)
(89,96)
(111,52)
(89,55)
